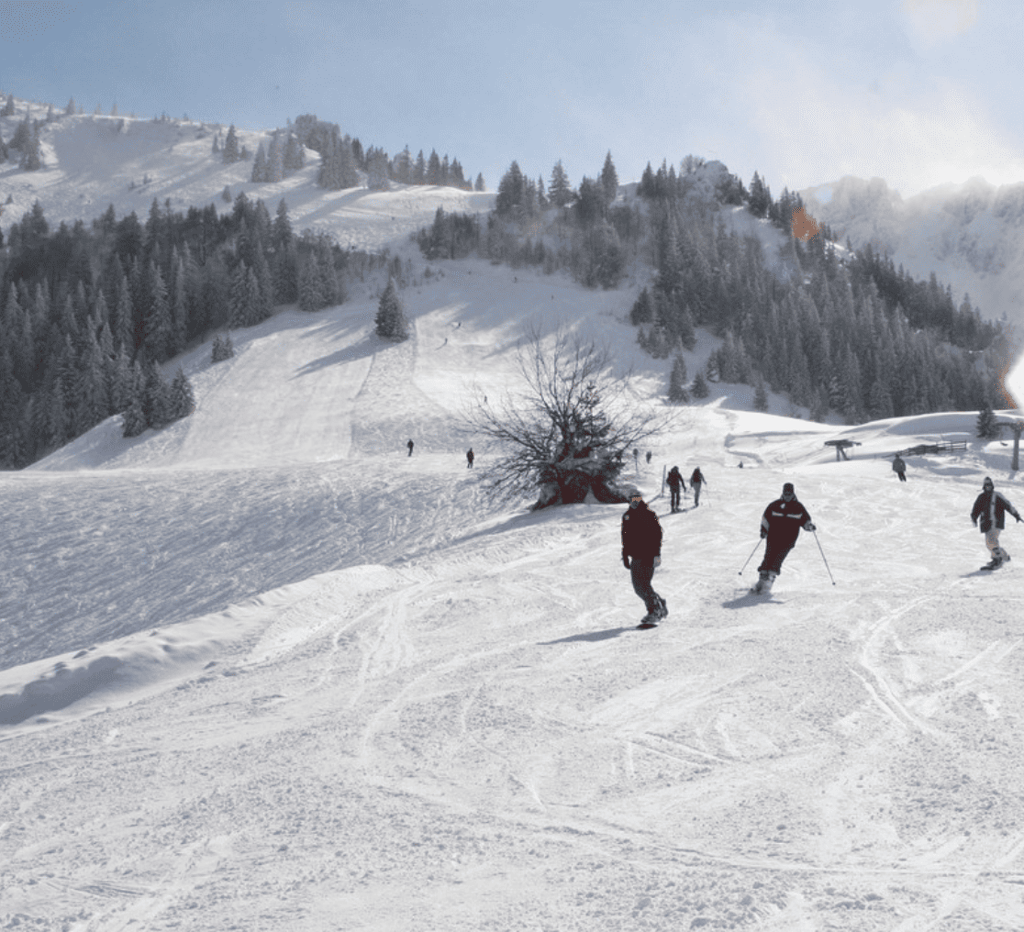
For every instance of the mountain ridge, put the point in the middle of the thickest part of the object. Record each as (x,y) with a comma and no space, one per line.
(969,234)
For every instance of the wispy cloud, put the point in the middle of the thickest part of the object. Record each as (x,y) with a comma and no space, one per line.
(932,22)
(914,129)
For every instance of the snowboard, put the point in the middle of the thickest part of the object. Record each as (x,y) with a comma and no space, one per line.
(644,625)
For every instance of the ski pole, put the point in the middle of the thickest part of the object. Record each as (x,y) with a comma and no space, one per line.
(822,552)
(751,557)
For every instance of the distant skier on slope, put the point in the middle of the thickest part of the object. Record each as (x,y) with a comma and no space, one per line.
(641,555)
(780,527)
(410,445)
(899,467)
(469,458)
(991,507)
(697,480)
(675,482)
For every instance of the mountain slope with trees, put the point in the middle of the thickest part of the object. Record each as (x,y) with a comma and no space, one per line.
(841,332)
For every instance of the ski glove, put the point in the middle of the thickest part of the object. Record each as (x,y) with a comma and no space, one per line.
(657,561)
(809,526)
(625,561)
(764,533)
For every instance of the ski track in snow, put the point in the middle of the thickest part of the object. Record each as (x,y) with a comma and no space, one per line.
(264,670)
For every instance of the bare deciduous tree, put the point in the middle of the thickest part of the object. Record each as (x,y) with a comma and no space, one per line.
(567,432)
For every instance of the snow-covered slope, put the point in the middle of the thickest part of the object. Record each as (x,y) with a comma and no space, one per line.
(266,670)
(969,235)
(91,162)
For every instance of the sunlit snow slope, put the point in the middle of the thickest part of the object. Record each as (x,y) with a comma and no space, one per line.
(265,670)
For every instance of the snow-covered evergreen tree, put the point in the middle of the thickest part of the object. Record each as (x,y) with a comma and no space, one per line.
(391,323)
(181,399)
(260,171)
(677,391)
(222,349)
(231,153)
(311,294)
(609,179)
(987,424)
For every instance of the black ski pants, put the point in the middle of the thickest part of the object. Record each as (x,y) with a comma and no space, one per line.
(674,496)
(642,572)
(775,552)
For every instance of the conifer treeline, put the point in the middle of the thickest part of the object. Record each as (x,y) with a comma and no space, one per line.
(343,161)
(839,331)
(87,313)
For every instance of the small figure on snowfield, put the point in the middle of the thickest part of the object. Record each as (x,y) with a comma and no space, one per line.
(899,467)
(697,480)
(780,527)
(675,483)
(410,445)
(641,554)
(469,458)
(991,507)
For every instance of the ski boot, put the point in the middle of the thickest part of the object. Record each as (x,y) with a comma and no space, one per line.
(662,608)
(650,620)
(758,587)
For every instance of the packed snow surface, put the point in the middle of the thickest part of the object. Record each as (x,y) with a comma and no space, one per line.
(264,670)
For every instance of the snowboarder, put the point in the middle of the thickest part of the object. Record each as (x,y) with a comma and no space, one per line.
(641,555)
(780,527)
(991,507)
(675,482)
(410,445)
(899,467)
(696,481)
(469,458)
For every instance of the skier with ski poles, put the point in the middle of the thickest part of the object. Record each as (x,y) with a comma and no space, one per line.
(780,527)
(991,507)
(641,555)
(675,482)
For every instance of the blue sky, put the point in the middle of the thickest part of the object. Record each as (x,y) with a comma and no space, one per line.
(918,92)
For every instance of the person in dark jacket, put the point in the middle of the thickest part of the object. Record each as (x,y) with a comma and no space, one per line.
(469,458)
(990,509)
(899,467)
(641,554)
(697,481)
(675,483)
(410,446)
(780,527)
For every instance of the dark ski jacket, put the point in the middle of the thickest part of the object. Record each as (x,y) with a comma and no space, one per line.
(991,508)
(697,477)
(782,520)
(675,478)
(641,533)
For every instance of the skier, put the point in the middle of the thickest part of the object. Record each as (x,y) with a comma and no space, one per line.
(675,481)
(991,507)
(641,555)
(410,445)
(469,458)
(780,527)
(696,481)
(648,457)
(899,467)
